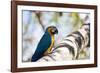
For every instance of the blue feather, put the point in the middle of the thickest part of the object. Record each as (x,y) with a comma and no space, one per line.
(43,45)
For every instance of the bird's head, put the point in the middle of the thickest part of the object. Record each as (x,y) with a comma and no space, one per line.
(52,30)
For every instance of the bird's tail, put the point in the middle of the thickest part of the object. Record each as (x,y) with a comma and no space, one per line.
(35,58)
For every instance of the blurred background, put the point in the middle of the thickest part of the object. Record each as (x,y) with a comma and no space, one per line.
(36,22)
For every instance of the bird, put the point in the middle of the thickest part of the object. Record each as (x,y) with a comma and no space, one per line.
(45,44)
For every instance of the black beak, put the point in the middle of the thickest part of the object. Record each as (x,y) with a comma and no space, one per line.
(56,31)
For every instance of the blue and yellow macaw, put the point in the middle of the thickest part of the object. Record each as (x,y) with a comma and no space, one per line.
(46,43)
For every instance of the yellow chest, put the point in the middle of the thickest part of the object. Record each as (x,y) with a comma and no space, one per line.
(51,46)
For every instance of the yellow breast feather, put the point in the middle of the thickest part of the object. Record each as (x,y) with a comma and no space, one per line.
(50,48)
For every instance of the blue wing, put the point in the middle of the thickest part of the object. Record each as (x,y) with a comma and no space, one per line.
(43,45)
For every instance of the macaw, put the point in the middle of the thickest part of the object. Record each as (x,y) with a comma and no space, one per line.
(46,43)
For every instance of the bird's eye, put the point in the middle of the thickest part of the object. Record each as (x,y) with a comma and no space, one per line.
(52,30)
